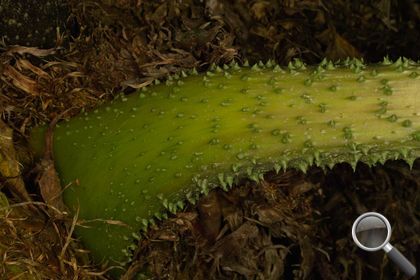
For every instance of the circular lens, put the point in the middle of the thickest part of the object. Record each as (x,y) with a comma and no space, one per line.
(371,232)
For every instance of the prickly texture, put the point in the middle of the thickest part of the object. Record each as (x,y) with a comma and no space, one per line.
(145,155)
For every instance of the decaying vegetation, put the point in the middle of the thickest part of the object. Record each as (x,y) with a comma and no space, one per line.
(287,225)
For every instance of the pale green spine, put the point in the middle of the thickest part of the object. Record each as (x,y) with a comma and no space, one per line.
(171,142)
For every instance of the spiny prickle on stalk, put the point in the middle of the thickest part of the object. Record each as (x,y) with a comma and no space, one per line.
(146,155)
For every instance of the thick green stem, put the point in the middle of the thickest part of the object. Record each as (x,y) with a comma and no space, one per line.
(147,152)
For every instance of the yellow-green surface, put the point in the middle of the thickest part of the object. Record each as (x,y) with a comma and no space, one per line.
(152,150)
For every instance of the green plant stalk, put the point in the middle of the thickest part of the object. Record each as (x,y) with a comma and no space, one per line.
(145,155)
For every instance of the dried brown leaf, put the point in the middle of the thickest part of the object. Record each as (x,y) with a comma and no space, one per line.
(10,168)
(210,215)
(233,243)
(20,81)
(30,50)
(48,180)
(50,187)
(337,46)
(259,9)
(308,257)
(27,65)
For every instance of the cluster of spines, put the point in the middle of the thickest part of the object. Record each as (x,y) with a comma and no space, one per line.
(294,66)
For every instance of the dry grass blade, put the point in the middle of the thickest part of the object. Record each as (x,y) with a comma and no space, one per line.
(20,81)
(29,50)
(25,64)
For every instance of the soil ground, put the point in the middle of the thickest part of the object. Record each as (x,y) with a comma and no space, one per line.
(291,226)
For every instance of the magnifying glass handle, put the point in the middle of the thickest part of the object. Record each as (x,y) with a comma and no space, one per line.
(405,265)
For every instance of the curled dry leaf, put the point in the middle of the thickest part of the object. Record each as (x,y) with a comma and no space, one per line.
(48,180)
(10,169)
(49,185)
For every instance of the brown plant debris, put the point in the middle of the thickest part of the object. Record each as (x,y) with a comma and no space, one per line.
(290,226)
(47,179)
(10,168)
(33,247)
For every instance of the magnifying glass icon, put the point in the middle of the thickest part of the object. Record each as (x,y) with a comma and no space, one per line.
(371,231)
